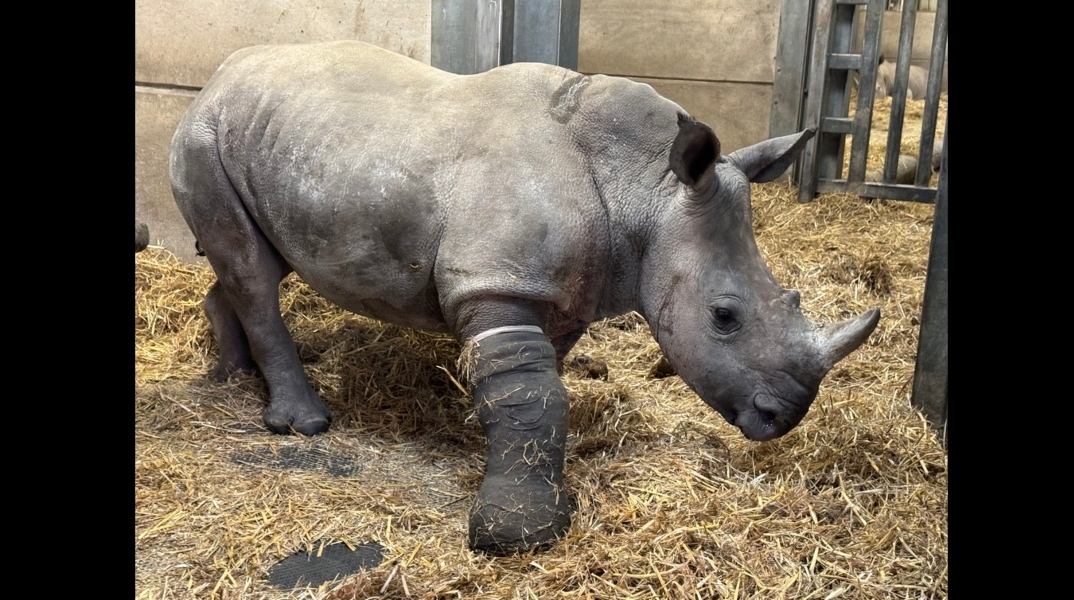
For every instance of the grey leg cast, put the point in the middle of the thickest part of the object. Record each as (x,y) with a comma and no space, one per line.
(522,406)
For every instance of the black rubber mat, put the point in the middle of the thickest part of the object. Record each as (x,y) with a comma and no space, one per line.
(336,560)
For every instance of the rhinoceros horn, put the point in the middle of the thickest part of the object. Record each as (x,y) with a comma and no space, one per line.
(767,160)
(837,340)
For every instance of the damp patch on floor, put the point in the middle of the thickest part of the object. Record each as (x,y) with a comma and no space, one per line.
(311,569)
(300,458)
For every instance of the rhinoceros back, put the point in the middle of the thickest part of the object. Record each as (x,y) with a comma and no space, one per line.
(398,190)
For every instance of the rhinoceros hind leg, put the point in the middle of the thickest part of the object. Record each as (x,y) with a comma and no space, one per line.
(564,343)
(230,338)
(593,369)
(244,308)
(245,301)
(522,405)
(252,293)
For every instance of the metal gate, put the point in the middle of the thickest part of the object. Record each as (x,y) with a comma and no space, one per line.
(815,62)
(833,62)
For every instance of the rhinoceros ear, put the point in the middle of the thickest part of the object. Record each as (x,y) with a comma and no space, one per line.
(694,151)
(764,161)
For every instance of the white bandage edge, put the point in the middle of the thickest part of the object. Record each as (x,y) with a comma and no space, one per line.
(508,329)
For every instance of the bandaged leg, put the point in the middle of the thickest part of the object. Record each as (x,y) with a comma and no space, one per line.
(522,406)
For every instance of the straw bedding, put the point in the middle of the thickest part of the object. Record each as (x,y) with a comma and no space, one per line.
(670,501)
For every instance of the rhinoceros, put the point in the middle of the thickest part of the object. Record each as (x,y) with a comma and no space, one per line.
(885,80)
(510,208)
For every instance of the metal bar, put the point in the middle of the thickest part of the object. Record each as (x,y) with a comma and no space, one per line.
(489,34)
(507,32)
(789,77)
(898,99)
(543,32)
(835,61)
(536,22)
(844,61)
(453,26)
(930,370)
(472,36)
(569,26)
(837,93)
(837,125)
(863,113)
(887,191)
(932,95)
(807,188)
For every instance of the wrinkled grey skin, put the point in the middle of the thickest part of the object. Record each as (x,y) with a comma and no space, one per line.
(885,80)
(526,195)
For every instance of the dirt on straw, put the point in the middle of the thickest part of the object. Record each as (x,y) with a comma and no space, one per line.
(671,501)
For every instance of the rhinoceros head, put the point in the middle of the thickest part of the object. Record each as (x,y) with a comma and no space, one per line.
(734,335)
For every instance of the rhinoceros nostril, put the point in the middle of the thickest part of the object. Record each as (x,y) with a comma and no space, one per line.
(767,417)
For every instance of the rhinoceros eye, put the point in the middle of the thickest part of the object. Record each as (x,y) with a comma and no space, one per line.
(724,320)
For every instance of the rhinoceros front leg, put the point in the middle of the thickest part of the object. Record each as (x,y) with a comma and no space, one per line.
(522,406)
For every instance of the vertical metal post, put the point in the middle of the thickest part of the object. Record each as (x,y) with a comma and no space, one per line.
(937,56)
(930,372)
(827,99)
(547,31)
(863,114)
(898,93)
(471,36)
(818,61)
(836,96)
(495,31)
(788,85)
(454,36)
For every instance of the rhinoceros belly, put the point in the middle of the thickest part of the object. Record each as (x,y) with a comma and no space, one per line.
(365,241)
(373,284)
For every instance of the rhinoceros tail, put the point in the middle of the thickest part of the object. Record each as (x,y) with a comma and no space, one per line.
(141,236)
(197,248)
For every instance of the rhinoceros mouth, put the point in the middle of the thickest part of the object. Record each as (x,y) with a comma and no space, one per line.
(758,425)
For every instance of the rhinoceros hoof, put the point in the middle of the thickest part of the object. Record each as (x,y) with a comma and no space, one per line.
(309,416)
(510,518)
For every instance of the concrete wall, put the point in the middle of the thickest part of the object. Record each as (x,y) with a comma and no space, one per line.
(179,43)
(713,57)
